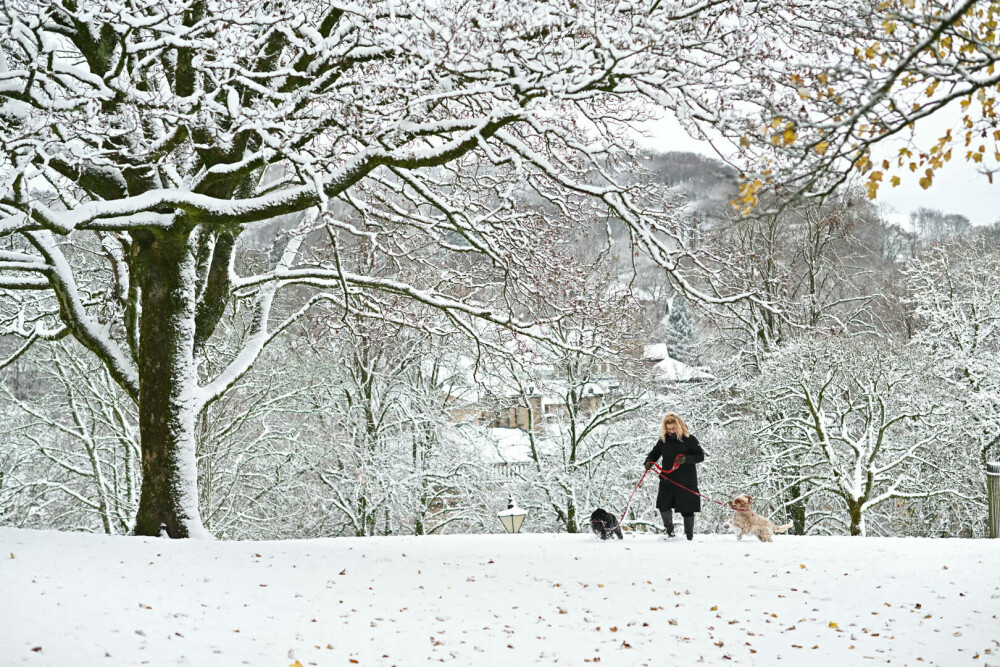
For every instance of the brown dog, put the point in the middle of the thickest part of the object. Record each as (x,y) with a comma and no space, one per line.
(748,521)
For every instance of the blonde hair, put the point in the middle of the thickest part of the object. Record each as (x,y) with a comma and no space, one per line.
(682,429)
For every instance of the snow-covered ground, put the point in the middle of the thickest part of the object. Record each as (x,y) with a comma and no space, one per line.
(77,599)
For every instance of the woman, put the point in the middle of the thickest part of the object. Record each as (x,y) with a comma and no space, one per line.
(677,445)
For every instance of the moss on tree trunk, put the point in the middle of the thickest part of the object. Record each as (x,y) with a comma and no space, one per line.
(163,265)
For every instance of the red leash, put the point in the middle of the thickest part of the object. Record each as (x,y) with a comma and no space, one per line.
(659,470)
(663,473)
(633,493)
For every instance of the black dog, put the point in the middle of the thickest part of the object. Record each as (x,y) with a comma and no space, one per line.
(605,525)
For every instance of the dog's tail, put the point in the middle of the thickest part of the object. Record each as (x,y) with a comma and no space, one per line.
(781,529)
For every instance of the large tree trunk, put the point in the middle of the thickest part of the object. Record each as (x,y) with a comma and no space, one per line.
(164,265)
(857,518)
(797,509)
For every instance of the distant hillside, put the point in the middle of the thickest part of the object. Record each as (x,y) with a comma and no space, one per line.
(708,183)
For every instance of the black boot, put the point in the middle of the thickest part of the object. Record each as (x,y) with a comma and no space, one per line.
(668,521)
(689,527)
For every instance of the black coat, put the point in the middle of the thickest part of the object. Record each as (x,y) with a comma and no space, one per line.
(671,496)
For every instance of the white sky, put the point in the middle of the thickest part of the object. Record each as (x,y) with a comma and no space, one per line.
(528,599)
(958,187)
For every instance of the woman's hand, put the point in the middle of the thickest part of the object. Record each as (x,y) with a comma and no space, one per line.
(648,464)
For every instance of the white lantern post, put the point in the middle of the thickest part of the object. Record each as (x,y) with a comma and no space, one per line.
(513,516)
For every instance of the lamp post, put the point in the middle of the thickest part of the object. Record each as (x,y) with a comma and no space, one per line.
(513,516)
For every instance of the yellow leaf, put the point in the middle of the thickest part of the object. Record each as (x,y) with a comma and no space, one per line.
(744,142)
(822,146)
(715,607)
(832,624)
(788,137)
(872,187)
(296,664)
(802,567)
(875,176)
(894,181)
(748,196)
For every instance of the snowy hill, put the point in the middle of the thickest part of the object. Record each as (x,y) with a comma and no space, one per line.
(78,599)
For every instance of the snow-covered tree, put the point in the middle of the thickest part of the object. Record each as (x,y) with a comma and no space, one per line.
(841,82)
(818,266)
(140,139)
(955,296)
(680,332)
(80,431)
(850,424)
(585,412)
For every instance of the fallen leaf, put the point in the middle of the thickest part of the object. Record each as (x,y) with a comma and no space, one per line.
(832,624)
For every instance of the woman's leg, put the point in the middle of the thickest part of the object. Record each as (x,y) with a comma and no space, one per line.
(668,521)
(689,526)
